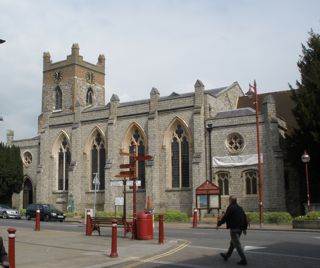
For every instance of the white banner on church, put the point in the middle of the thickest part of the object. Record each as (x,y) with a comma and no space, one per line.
(236,160)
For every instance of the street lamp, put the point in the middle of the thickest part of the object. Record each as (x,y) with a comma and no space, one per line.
(96,183)
(250,94)
(305,158)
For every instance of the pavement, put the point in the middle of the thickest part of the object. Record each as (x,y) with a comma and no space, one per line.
(50,248)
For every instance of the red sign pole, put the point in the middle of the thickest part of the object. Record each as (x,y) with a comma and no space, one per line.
(134,195)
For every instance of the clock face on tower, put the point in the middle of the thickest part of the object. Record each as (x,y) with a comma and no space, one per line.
(90,77)
(57,76)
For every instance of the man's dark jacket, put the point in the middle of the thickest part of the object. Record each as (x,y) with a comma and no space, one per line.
(234,217)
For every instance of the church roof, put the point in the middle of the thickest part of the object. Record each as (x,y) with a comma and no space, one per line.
(284,106)
(235,113)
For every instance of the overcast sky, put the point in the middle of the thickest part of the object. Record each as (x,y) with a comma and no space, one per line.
(162,44)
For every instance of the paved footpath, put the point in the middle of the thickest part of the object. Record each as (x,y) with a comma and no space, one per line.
(48,248)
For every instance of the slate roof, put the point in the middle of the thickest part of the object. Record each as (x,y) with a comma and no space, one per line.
(284,106)
(235,113)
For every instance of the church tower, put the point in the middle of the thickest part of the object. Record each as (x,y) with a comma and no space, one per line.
(70,83)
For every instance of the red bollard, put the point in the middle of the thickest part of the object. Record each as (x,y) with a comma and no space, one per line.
(195,218)
(37,224)
(114,252)
(11,247)
(161,229)
(88,224)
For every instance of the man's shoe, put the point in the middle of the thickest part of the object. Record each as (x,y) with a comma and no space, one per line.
(5,264)
(242,262)
(224,256)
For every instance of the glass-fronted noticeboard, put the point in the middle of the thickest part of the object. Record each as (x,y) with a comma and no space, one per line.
(208,196)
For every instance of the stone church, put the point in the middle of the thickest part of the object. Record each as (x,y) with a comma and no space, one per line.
(193,137)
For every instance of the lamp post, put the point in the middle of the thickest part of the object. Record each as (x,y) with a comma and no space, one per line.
(251,94)
(96,183)
(305,158)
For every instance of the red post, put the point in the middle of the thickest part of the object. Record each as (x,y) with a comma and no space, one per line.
(88,224)
(148,202)
(161,229)
(37,224)
(11,247)
(195,218)
(114,252)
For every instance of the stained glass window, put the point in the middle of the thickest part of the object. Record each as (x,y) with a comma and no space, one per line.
(180,158)
(89,97)
(98,161)
(223,182)
(58,99)
(137,140)
(64,160)
(251,182)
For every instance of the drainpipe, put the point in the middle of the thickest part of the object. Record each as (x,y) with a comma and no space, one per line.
(209,129)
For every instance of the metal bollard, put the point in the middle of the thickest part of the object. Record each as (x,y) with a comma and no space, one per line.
(161,229)
(88,224)
(195,218)
(37,224)
(114,252)
(11,247)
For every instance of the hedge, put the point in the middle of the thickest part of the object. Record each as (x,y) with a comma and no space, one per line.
(310,216)
(270,217)
(173,216)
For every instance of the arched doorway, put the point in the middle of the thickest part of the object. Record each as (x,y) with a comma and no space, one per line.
(27,193)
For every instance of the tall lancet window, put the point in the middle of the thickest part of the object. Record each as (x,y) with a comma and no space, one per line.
(138,142)
(89,97)
(58,99)
(98,161)
(180,158)
(64,159)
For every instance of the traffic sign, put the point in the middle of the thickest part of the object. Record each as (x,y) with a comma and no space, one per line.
(116,183)
(138,183)
(124,174)
(125,166)
(119,201)
(143,157)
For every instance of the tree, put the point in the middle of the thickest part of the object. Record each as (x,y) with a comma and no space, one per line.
(306,136)
(11,172)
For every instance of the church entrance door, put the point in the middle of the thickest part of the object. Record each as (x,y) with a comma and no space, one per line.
(27,193)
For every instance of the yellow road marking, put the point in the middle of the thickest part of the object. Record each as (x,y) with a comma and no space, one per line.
(170,252)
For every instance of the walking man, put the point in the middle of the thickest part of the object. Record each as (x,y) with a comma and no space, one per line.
(3,255)
(237,223)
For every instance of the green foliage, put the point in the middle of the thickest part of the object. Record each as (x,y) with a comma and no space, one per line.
(270,217)
(22,211)
(70,214)
(310,216)
(173,216)
(104,214)
(253,217)
(11,171)
(306,111)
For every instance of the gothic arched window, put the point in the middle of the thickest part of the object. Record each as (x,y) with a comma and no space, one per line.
(138,142)
(180,158)
(250,178)
(98,161)
(223,182)
(58,99)
(64,160)
(89,97)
